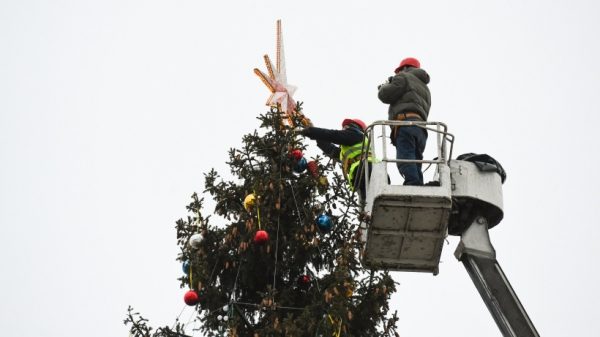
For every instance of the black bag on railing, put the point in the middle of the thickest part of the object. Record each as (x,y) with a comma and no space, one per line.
(485,163)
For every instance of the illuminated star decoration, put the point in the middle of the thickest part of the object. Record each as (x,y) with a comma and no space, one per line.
(276,81)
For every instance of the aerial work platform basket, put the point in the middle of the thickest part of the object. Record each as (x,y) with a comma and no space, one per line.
(406,225)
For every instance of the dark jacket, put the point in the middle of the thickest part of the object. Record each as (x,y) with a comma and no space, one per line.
(407,92)
(325,138)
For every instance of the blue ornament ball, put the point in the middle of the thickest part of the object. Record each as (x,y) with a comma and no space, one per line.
(324,222)
(186,267)
(300,165)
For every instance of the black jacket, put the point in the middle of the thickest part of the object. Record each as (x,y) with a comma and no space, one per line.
(407,92)
(326,138)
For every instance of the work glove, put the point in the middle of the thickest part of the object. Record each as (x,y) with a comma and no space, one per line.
(302,131)
(305,132)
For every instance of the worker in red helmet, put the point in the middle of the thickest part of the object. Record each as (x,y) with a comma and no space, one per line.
(409,98)
(349,152)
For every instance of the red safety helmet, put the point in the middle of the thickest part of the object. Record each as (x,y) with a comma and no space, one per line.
(409,61)
(354,121)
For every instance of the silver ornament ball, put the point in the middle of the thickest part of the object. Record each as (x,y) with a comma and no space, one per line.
(195,240)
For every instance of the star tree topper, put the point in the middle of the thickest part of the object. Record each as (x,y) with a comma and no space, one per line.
(276,81)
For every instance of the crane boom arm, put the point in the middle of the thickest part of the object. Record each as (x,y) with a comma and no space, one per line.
(478,256)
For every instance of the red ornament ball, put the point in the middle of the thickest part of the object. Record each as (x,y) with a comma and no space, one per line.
(296,154)
(191,298)
(261,237)
(313,168)
(304,280)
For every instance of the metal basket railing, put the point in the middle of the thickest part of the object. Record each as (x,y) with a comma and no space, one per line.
(443,138)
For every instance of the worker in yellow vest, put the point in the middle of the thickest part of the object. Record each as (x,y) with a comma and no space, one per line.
(352,143)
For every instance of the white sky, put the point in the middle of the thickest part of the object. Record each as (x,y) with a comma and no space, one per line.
(111,111)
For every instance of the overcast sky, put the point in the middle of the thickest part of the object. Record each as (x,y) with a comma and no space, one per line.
(111,111)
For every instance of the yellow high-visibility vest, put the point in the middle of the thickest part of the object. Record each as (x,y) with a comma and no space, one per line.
(350,156)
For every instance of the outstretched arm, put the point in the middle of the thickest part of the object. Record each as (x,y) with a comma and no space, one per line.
(342,137)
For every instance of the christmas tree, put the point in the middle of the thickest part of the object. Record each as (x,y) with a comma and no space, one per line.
(287,261)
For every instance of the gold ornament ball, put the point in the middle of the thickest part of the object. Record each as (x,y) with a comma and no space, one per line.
(249,201)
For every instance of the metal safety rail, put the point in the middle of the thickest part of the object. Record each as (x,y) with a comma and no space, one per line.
(443,137)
